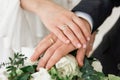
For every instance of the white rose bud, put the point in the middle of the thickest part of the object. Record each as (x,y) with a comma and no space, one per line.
(67,66)
(41,75)
(97,66)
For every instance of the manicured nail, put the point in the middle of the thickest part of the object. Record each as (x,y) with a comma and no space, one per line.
(78,45)
(37,68)
(67,41)
(31,59)
(84,45)
(88,38)
(47,68)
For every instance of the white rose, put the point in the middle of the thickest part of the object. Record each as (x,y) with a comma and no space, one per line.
(41,75)
(67,66)
(97,66)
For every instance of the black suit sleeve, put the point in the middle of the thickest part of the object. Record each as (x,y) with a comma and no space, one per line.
(99,10)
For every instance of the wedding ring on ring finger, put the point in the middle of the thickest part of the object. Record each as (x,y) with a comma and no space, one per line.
(51,41)
(64,27)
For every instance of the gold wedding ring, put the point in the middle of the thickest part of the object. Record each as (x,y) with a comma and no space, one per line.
(64,27)
(51,40)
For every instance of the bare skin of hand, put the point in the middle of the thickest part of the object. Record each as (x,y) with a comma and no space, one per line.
(53,51)
(63,23)
(90,44)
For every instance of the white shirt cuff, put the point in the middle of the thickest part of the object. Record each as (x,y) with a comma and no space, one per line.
(86,17)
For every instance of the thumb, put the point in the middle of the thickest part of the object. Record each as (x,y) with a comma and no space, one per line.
(80,56)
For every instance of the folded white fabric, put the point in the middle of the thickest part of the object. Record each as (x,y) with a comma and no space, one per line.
(8,14)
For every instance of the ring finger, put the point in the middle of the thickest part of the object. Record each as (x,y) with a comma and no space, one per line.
(48,54)
(42,46)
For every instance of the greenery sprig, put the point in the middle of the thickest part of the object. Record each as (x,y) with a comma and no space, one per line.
(15,64)
(17,70)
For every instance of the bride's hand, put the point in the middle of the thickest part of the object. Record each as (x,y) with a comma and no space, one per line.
(52,50)
(60,21)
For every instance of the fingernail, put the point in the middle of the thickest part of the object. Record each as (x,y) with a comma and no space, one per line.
(67,41)
(31,59)
(88,38)
(78,45)
(81,64)
(47,68)
(37,68)
(84,46)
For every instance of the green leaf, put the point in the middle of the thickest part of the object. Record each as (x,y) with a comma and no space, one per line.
(29,69)
(53,72)
(89,73)
(113,77)
(23,77)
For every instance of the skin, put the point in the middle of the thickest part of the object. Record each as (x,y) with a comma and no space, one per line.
(91,42)
(54,17)
(53,52)
(75,36)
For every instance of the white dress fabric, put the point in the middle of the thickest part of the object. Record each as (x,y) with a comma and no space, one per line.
(19,28)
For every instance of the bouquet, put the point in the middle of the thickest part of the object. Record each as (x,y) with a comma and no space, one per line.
(21,68)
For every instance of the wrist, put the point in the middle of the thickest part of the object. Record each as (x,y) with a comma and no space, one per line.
(32,5)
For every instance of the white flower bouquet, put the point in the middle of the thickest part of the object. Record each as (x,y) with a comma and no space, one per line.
(19,68)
